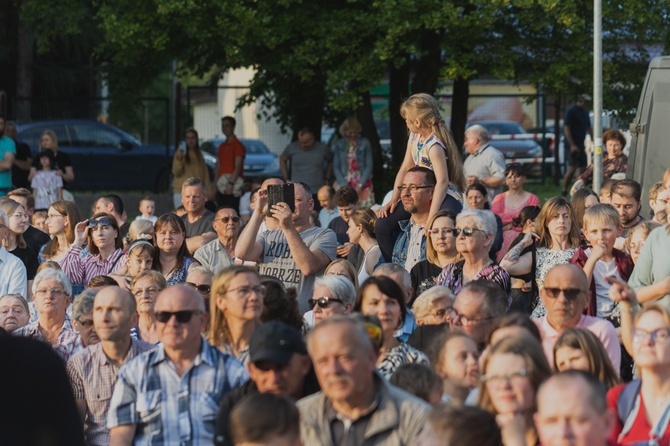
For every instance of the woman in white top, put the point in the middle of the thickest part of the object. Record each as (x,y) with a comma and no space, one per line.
(362,231)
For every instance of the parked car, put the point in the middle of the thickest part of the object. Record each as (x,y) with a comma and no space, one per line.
(259,161)
(105,157)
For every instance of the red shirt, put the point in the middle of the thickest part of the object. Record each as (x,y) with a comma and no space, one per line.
(228,151)
(639,431)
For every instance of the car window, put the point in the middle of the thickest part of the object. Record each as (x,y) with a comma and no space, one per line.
(255,147)
(32,135)
(94,135)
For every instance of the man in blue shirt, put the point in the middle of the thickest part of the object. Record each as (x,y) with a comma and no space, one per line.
(575,127)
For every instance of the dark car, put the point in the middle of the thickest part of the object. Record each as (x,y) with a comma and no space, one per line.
(105,157)
(259,161)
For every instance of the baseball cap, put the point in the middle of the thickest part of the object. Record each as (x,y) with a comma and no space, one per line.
(275,342)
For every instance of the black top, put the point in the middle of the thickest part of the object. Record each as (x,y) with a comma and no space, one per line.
(529,277)
(62,161)
(577,120)
(123,229)
(35,238)
(423,276)
(29,259)
(20,176)
(340,228)
(200,226)
(423,336)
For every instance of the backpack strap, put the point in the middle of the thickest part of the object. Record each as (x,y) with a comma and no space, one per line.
(627,403)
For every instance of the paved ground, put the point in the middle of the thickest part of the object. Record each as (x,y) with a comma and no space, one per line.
(131,201)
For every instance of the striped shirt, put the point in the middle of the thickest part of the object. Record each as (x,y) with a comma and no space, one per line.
(65,345)
(172,409)
(82,269)
(93,376)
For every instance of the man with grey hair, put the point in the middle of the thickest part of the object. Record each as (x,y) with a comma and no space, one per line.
(356,405)
(12,270)
(198,219)
(332,295)
(52,294)
(93,371)
(220,252)
(14,312)
(171,395)
(82,317)
(402,277)
(485,164)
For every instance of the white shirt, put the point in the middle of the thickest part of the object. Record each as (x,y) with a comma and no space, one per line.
(13,277)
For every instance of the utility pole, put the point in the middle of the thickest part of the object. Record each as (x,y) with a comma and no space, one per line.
(597,96)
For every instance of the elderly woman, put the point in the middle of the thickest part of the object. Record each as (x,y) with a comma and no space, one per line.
(614,163)
(475,232)
(477,197)
(235,310)
(352,162)
(145,287)
(105,247)
(432,306)
(52,292)
(14,312)
(82,317)
(12,270)
(332,294)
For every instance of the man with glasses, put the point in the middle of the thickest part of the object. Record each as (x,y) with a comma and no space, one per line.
(565,295)
(416,194)
(219,253)
(82,317)
(200,278)
(171,395)
(476,306)
(485,164)
(278,364)
(93,371)
(52,291)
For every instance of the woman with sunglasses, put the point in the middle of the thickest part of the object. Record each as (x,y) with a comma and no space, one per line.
(105,247)
(145,288)
(478,198)
(382,297)
(201,278)
(172,258)
(508,204)
(235,310)
(332,295)
(475,231)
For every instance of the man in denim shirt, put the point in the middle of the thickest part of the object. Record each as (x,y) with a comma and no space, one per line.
(417,194)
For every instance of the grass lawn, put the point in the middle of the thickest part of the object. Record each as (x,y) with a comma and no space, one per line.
(544,191)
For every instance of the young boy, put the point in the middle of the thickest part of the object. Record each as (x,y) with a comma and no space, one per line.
(602,226)
(606,191)
(147,209)
(39,220)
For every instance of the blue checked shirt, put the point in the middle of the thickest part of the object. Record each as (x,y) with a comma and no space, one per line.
(169,409)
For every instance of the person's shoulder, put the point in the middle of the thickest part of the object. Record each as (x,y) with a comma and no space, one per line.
(597,325)
(307,404)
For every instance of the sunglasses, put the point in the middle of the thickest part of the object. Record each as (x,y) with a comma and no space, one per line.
(570,293)
(225,220)
(323,302)
(102,221)
(182,317)
(204,289)
(466,231)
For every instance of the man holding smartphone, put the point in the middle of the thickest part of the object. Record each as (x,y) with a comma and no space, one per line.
(297,251)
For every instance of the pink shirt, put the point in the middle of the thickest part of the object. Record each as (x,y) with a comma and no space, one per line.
(602,328)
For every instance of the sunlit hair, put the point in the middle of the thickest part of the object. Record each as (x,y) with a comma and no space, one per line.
(578,203)
(550,209)
(340,287)
(601,214)
(170,222)
(654,190)
(140,229)
(54,139)
(464,425)
(438,349)
(514,319)
(645,227)
(616,135)
(657,308)
(423,304)
(351,271)
(219,333)
(155,276)
(9,207)
(592,348)
(530,350)
(350,124)
(431,253)
(118,240)
(425,108)
(71,214)
(366,218)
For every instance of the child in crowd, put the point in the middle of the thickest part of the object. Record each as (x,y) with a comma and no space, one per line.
(456,361)
(655,204)
(39,221)
(602,226)
(147,209)
(638,237)
(606,191)
(461,425)
(660,208)
(420,380)
(47,185)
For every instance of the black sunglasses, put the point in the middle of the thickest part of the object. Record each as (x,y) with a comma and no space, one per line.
(323,302)
(204,289)
(102,221)
(182,317)
(466,231)
(570,293)
(225,220)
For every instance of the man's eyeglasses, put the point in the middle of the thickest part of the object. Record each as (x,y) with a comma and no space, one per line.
(466,231)
(225,220)
(102,221)
(441,232)
(570,293)
(183,317)
(412,188)
(203,289)
(460,319)
(659,335)
(323,302)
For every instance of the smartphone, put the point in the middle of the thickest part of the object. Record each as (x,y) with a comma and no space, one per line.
(284,193)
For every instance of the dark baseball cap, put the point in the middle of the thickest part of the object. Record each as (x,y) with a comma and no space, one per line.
(275,342)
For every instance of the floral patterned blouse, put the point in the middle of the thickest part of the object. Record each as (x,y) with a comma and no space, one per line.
(546,260)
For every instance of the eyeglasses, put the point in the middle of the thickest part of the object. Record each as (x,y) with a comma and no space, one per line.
(323,302)
(225,220)
(102,221)
(458,318)
(183,317)
(52,291)
(203,289)
(412,188)
(441,232)
(50,217)
(497,380)
(85,324)
(659,335)
(245,291)
(466,231)
(570,293)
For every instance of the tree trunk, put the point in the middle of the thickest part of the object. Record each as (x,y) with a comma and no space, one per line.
(309,102)
(398,92)
(24,70)
(367,120)
(427,73)
(459,109)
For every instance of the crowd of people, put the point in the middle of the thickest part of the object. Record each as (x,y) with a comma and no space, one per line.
(453,313)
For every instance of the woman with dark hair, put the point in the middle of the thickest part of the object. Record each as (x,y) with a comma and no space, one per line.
(105,247)
(189,163)
(582,200)
(512,324)
(172,258)
(280,304)
(508,205)
(615,162)
(478,198)
(382,297)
